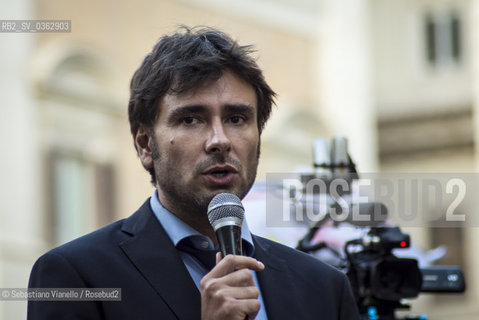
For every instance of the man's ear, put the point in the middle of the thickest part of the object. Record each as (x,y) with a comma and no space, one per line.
(143,142)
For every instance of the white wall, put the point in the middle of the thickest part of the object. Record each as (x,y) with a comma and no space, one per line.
(404,82)
(18,162)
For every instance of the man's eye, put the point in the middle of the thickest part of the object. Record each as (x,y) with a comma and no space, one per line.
(189,120)
(237,119)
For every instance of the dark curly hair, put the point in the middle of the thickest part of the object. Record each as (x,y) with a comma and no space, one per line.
(185,60)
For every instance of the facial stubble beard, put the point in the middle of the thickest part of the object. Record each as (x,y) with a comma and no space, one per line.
(186,199)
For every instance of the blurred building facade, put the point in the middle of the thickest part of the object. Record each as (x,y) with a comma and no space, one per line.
(397,77)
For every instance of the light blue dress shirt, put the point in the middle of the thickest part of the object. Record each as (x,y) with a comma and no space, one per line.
(178,230)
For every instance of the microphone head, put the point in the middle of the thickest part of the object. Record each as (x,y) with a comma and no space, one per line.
(225,209)
(370,214)
(339,151)
(321,153)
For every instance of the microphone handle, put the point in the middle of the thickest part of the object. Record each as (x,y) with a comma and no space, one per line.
(229,239)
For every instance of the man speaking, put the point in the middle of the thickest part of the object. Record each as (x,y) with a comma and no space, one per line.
(197,108)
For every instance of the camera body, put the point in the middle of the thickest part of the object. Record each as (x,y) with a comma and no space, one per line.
(375,273)
(380,280)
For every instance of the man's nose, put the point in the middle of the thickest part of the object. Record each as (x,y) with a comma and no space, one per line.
(218,141)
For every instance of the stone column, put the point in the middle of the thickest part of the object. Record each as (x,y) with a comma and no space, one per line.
(344,77)
(19,212)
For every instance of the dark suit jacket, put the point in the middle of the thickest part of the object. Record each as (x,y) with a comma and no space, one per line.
(136,255)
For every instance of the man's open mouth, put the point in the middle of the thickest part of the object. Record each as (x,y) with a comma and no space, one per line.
(219,174)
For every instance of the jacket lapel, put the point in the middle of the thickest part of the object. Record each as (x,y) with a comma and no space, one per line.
(277,287)
(153,253)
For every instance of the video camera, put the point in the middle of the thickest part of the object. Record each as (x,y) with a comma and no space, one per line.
(379,279)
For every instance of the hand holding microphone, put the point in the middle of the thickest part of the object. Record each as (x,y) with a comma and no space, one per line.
(228,291)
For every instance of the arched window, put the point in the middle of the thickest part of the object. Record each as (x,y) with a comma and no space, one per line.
(78,113)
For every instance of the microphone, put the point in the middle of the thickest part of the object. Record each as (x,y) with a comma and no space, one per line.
(226,214)
(339,154)
(321,158)
(368,214)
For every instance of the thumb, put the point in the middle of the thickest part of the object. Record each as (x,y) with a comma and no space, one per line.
(219,256)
